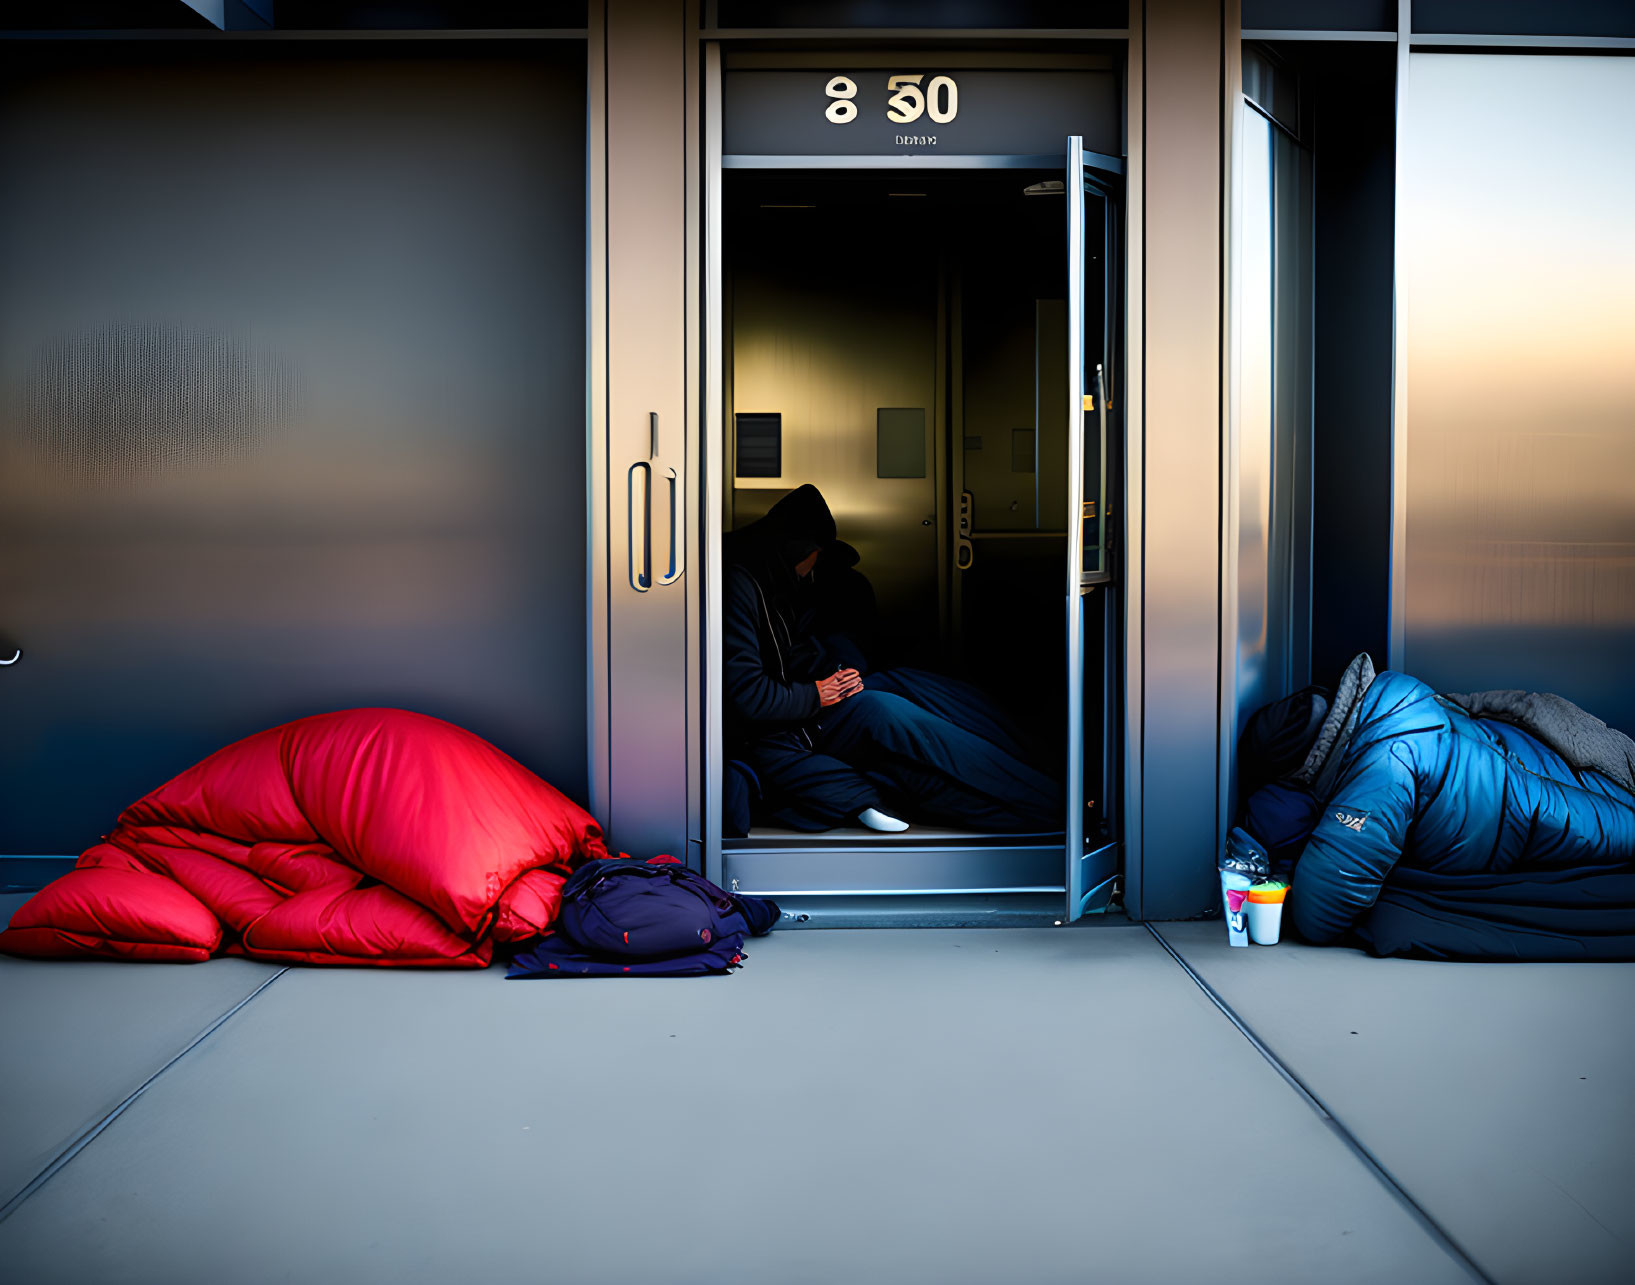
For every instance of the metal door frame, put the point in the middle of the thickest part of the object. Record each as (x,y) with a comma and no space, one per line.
(1088,871)
(642,423)
(898,861)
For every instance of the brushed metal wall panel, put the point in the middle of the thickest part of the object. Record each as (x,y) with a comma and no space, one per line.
(1182,478)
(1258,661)
(1519,179)
(651,693)
(291,354)
(1271,459)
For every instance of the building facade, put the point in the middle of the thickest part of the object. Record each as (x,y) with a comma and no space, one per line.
(1156,358)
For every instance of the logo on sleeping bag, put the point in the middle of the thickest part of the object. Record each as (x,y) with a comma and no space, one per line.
(1351,820)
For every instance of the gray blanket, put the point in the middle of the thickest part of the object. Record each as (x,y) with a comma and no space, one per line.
(1575,734)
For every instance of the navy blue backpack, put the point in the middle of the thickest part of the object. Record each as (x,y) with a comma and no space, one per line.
(621,917)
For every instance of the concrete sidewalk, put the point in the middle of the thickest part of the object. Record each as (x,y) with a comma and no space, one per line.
(1501,1096)
(934,1105)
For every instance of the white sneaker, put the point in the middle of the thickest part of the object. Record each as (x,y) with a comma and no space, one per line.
(878,820)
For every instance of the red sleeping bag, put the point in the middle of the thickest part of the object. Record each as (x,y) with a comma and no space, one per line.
(369,836)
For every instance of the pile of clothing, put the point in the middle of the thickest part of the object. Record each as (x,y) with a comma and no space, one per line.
(655,918)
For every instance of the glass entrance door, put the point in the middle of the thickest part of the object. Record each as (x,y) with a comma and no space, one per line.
(1092,242)
(1031,393)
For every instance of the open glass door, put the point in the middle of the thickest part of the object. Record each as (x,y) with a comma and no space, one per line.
(1092,213)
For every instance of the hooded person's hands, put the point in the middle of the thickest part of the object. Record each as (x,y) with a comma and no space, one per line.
(838,686)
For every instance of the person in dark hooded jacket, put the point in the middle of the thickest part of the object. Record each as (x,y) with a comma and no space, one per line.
(1422,828)
(845,618)
(828,746)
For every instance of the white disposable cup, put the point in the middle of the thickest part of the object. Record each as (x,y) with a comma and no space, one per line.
(1235,934)
(1265,921)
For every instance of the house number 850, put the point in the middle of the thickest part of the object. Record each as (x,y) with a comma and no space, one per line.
(908,102)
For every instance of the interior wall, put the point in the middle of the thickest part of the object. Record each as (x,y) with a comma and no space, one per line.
(1014,360)
(828,338)
(291,404)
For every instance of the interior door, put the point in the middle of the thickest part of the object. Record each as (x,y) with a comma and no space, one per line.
(1092,241)
(836,347)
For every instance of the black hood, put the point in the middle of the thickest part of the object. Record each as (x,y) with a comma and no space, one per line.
(1301,739)
(840,556)
(795,526)
(1276,741)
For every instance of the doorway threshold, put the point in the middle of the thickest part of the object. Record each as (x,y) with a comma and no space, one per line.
(933,910)
(763,836)
(895,870)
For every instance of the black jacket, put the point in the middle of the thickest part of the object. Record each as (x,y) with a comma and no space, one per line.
(770,660)
(763,670)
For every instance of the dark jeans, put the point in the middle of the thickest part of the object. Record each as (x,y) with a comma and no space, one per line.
(963,704)
(916,745)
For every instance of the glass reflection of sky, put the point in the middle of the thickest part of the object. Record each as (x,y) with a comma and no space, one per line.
(1518,243)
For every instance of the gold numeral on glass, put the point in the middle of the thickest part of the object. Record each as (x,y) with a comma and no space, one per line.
(842,111)
(908,103)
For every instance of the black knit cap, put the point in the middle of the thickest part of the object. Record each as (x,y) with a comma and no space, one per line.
(1278,737)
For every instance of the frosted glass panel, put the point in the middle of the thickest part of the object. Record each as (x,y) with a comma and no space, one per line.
(1519,182)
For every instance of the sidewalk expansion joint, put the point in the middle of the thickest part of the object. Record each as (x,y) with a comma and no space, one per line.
(1335,1125)
(85,1139)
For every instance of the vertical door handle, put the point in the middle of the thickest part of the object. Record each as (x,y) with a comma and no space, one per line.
(641,525)
(678,509)
(678,529)
(1092,516)
(641,516)
(964,550)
